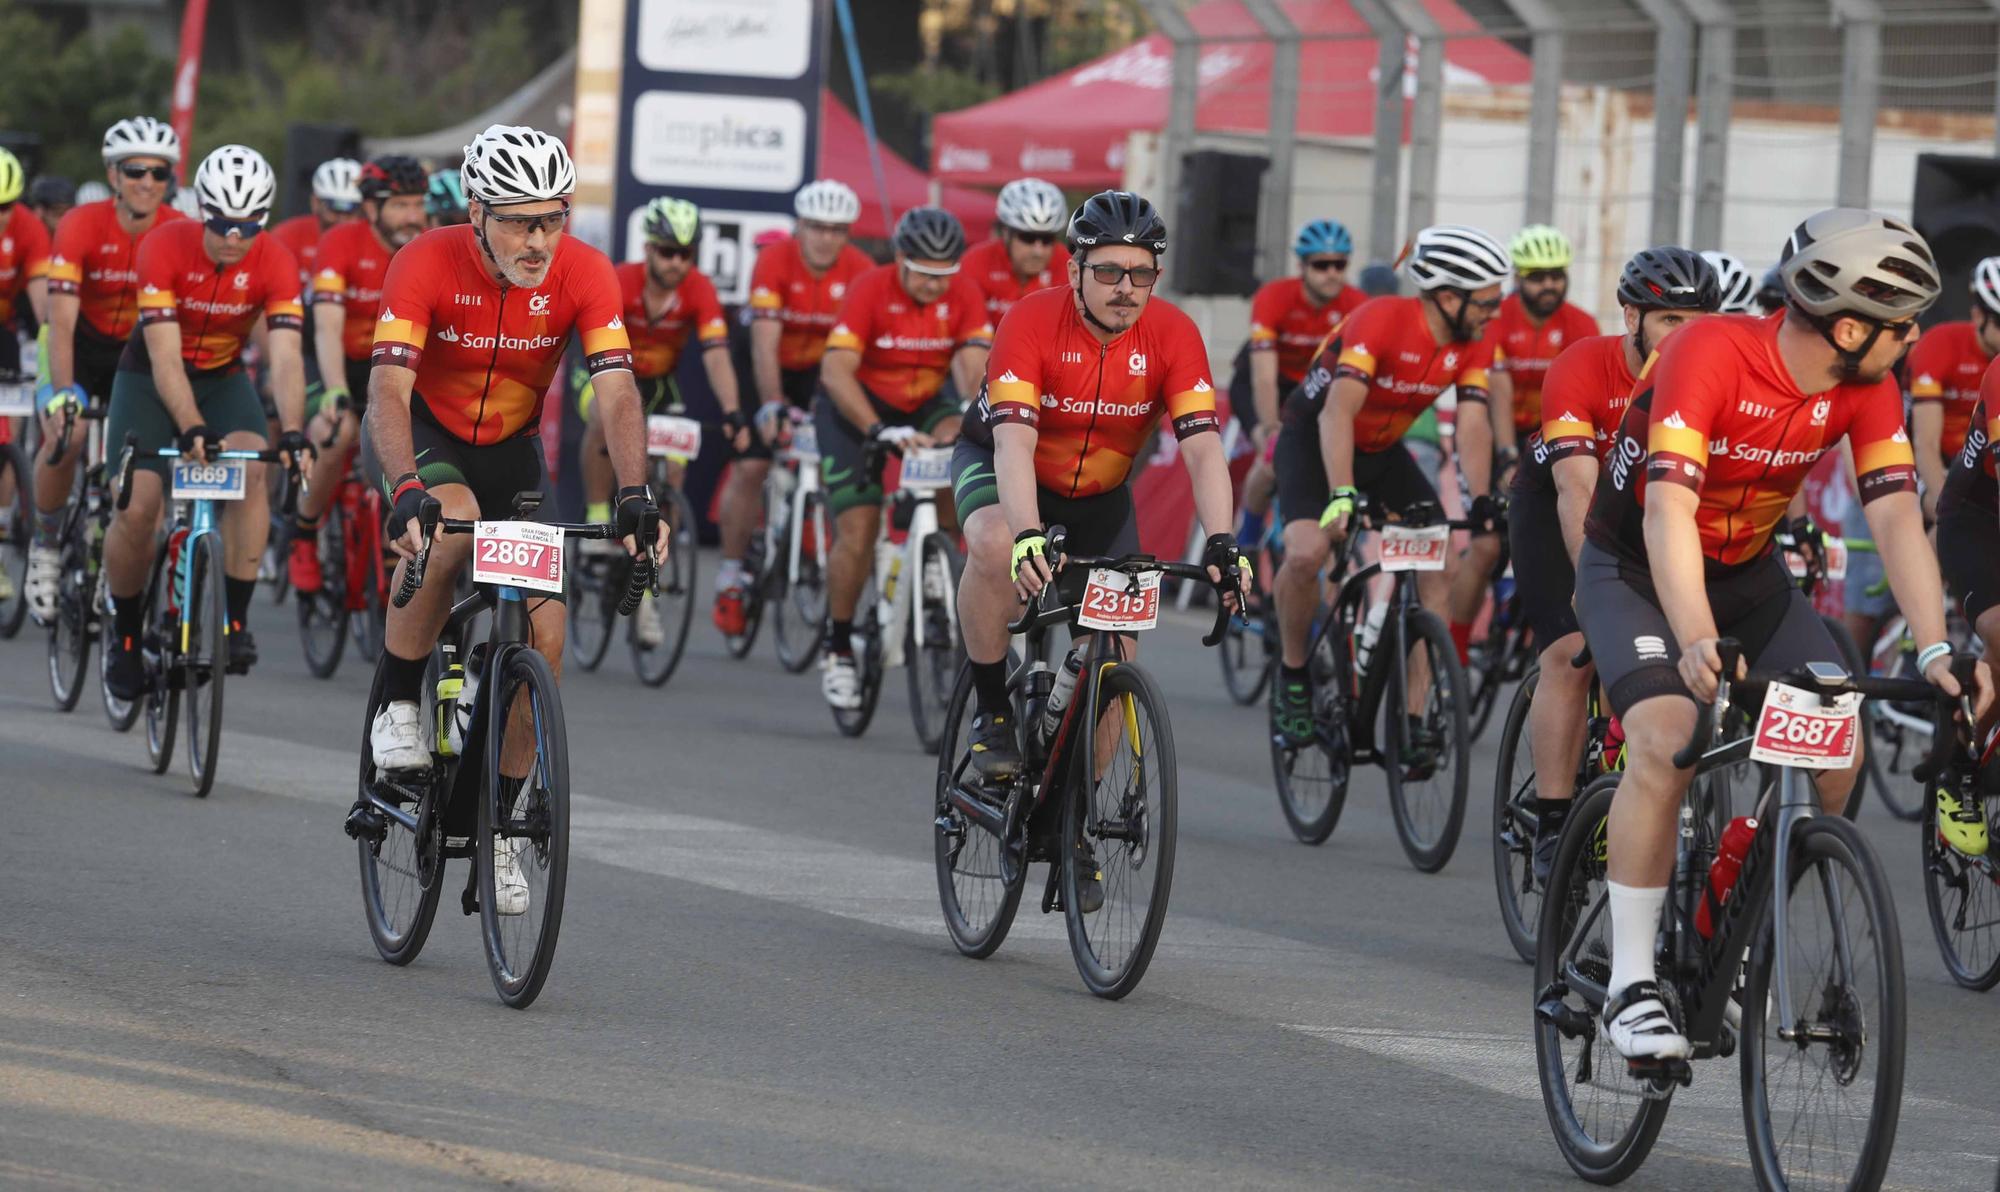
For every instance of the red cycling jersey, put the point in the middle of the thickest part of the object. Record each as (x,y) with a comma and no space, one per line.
(24,256)
(1583,398)
(906,349)
(990,269)
(1524,351)
(1946,367)
(484,352)
(657,343)
(97,260)
(808,304)
(216,305)
(1719,413)
(1094,404)
(1387,345)
(301,234)
(1283,318)
(1973,478)
(353,262)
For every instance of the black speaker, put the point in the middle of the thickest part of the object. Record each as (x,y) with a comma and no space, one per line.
(307,145)
(26,147)
(1957,208)
(1213,239)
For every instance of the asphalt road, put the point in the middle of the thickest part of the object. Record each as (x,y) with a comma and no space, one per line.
(754,988)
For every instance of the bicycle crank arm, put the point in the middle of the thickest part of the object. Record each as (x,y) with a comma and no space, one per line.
(979,811)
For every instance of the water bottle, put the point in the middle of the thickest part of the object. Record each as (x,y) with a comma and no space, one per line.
(1370,630)
(450,688)
(1722,874)
(461,728)
(1065,687)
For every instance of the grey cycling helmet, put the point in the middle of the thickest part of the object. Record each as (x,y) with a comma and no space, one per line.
(1848,262)
(930,234)
(1669,278)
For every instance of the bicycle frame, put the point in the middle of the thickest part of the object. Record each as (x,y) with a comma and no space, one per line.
(900,599)
(794,484)
(362,516)
(1363,691)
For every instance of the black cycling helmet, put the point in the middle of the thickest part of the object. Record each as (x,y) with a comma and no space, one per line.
(1771,291)
(51,190)
(930,234)
(1670,278)
(1117,217)
(393,174)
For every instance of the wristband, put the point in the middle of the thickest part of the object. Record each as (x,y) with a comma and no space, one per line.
(1340,506)
(407,480)
(1028,542)
(1932,653)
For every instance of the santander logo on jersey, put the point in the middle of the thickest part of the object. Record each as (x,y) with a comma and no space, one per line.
(510,343)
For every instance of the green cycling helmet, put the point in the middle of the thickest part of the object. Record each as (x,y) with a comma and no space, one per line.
(672,221)
(446,195)
(1539,246)
(13,179)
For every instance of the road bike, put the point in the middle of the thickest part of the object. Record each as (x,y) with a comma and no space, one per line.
(1962,893)
(656,636)
(83,604)
(355,566)
(1389,659)
(1507,651)
(1097,794)
(489,710)
(17,512)
(797,539)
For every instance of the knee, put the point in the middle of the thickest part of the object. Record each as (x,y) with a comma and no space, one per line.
(1306,548)
(1656,730)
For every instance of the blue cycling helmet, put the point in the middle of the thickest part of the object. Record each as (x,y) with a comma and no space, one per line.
(1322,236)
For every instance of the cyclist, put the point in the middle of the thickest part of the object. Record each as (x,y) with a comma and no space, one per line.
(336,198)
(1383,367)
(1587,389)
(50,197)
(1942,381)
(444,203)
(346,294)
(1536,323)
(24,265)
(1770,297)
(1290,319)
(181,381)
(1027,254)
(1739,285)
(93,306)
(1968,543)
(795,296)
(903,327)
(1077,382)
(1678,551)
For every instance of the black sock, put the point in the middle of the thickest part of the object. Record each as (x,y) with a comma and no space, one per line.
(402,678)
(128,615)
(989,680)
(303,525)
(1293,676)
(840,636)
(237,594)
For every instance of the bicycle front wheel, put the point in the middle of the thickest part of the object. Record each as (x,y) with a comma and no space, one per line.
(402,870)
(592,607)
(798,611)
(853,722)
(1247,654)
(932,650)
(1821,1109)
(1963,896)
(672,598)
(1487,675)
(1516,823)
(69,644)
(1118,832)
(1424,712)
(979,887)
(163,698)
(17,529)
(206,659)
(523,842)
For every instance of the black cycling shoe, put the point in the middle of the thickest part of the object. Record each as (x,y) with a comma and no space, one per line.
(1089,882)
(994,751)
(124,668)
(1291,711)
(1550,816)
(242,651)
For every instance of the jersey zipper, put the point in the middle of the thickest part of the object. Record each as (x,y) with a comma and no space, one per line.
(493,362)
(1096,397)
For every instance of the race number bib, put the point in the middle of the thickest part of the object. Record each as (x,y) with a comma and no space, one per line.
(220,481)
(17,399)
(805,441)
(926,469)
(674,437)
(1112,601)
(1407,549)
(1799,728)
(517,554)
(1836,561)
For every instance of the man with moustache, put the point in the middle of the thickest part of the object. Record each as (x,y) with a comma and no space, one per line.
(346,295)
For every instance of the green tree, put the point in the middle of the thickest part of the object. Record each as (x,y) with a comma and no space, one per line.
(69,93)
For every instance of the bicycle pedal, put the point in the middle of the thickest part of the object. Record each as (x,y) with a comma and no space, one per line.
(1660,1075)
(366,822)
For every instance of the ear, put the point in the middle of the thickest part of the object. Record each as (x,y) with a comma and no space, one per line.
(1633,317)
(1850,333)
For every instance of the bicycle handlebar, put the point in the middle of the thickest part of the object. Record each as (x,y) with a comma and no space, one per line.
(1372,515)
(430,523)
(128,461)
(1039,614)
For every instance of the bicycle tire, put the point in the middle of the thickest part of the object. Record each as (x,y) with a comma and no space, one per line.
(1821,843)
(1487,677)
(206,661)
(399,932)
(756,586)
(853,722)
(589,587)
(1243,677)
(69,639)
(163,701)
(17,529)
(518,973)
(120,714)
(1423,628)
(674,588)
(798,617)
(934,667)
(1514,824)
(1609,1151)
(1947,872)
(1850,658)
(323,615)
(969,869)
(1883,739)
(1090,937)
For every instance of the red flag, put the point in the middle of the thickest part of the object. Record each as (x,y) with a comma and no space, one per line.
(187,75)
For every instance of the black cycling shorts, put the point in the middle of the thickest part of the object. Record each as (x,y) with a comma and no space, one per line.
(495,472)
(1543,574)
(1391,478)
(1104,523)
(1968,547)
(849,484)
(94,362)
(1635,650)
(1243,394)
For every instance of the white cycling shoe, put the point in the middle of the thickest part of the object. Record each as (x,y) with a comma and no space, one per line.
(44,569)
(510,884)
(840,681)
(396,738)
(1640,1028)
(646,622)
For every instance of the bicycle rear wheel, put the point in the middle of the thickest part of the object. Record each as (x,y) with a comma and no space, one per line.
(402,870)
(206,660)
(1312,778)
(1515,824)
(1605,1121)
(1427,752)
(978,892)
(1120,824)
(323,614)
(1963,896)
(1248,653)
(1487,674)
(17,529)
(69,644)
(529,817)
(798,613)
(368,573)
(933,662)
(1822,1111)
(673,596)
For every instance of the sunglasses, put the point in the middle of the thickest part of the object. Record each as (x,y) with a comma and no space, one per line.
(528,225)
(1325,264)
(928,271)
(340,208)
(1489,305)
(1143,276)
(819,225)
(1546,275)
(1038,239)
(242,229)
(157,173)
(671,252)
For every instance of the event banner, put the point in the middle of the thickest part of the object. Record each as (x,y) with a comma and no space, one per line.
(720,104)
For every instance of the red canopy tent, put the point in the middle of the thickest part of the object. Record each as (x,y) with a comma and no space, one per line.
(843,154)
(1071,129)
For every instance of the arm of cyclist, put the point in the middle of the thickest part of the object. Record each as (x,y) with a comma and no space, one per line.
(38,298)
(837,371)
(288,390)
(328,320)
(1897,523)
(1500,401)
(722,379)
(1576,480)
(1214,501)
(764,371)
(968,369)
(389,388)
(625,437)
(1476,424)
(1344,400)
(1264,390)
(1014,472)
(64,310)
(163,344)
(1927,440)
(1673,551)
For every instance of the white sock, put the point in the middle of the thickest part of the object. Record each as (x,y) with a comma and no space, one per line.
(1635,928)
(729,574)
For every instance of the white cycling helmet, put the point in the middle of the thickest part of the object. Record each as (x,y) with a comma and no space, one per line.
(1739,288)
(235,182)
(1031,205)
(91,191)
(141,136)
(1986,284)
(827,201)
(1453,256)
(338,180)
(510,163)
